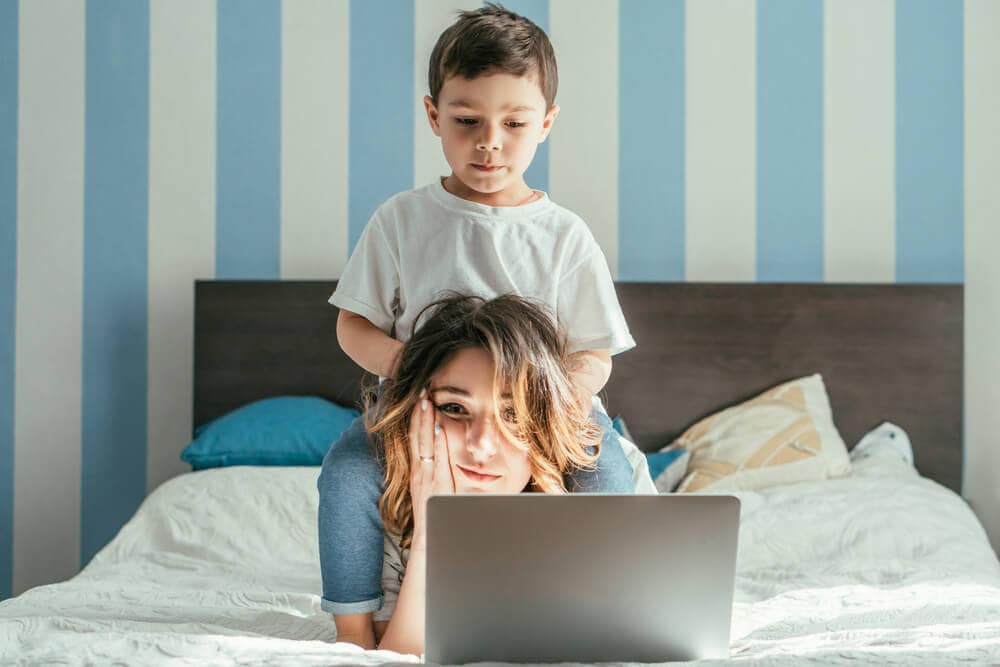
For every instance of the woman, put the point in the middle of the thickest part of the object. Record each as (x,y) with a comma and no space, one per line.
(482,403)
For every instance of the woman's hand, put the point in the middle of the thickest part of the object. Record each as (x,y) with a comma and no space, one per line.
(430,465)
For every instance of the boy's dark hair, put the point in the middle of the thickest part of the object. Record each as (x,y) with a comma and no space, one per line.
(493,38)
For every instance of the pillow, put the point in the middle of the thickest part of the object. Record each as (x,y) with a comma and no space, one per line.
(883,451)
(886,440)
(280,431)
(666,467)
(782,436)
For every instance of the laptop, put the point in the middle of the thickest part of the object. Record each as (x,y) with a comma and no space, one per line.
(579,578)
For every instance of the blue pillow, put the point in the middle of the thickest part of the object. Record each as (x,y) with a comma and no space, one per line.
(280,431)
(660,461)
(667,467)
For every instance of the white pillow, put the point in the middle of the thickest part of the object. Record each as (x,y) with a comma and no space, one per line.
(886,440)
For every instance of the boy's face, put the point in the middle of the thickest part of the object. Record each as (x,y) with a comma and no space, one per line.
(490,128)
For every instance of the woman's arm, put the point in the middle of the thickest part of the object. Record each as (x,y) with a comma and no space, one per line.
(366,344)
(430,473)
(405,630)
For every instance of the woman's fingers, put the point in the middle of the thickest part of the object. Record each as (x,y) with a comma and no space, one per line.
(413,434)
(426,430)
(430,469)
(443,481)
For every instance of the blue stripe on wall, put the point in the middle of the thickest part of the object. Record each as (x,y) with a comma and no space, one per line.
(790,140)
(651,140)
(248,176)
(8,281)
(381,111)
(537,174)
(116,166)
(930,209)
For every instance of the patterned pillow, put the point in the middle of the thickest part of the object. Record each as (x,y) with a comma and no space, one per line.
(782,436)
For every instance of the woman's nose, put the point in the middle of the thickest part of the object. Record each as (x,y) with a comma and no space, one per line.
(481,440)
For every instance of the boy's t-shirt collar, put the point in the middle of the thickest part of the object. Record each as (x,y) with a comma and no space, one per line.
(456,203)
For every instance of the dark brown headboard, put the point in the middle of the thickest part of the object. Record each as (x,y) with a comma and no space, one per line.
(886,352)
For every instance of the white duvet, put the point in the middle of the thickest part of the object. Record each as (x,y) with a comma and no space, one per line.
(220,567)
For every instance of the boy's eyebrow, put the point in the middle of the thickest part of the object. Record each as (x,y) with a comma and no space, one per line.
(469,105)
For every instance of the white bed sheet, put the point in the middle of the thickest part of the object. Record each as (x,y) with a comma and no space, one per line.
(221,567)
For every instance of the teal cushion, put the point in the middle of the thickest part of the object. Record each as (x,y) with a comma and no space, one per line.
(660,461)
(667,467)
(280,431)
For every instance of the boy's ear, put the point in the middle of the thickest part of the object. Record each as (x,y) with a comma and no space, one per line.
(432,115)
(550,118)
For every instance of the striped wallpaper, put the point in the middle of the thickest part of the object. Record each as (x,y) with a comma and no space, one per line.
(147,143)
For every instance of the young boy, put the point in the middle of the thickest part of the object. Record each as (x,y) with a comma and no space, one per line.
(481,230)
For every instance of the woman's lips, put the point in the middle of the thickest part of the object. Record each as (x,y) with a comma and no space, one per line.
(478,476)
(487,167)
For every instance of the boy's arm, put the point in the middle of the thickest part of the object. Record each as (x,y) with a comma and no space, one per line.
(590,370)
(367,345)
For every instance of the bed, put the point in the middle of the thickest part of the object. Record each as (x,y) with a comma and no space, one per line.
(887,564)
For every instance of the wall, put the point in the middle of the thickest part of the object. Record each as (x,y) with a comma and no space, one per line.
(148,143)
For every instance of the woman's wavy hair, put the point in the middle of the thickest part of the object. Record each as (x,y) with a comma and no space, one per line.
(531,363)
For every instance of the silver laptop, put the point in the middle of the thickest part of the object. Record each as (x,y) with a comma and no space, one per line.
(579,578)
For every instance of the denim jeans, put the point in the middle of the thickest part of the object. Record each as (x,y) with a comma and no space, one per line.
(350,528)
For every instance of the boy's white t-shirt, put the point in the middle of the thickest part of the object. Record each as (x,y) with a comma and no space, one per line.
(426,242)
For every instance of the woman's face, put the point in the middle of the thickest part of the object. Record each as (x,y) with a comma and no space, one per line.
(482,459)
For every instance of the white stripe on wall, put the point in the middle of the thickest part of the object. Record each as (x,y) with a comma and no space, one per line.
(721,129)
(181,216)
(982,274)
(48,367)
(859,142)
(583,157)
(314,138)
(430,18)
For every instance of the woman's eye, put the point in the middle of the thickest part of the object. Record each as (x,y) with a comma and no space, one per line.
(510,415)
(453,409)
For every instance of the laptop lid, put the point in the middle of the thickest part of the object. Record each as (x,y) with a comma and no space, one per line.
(579,577)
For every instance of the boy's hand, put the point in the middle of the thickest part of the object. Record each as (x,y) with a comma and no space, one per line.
(367,345)
(589,371)
(584,398)
(395,354)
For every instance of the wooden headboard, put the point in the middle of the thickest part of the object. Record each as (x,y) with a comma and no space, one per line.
(886,352)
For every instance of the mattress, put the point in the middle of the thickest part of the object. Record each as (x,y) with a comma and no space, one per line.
(221,567)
